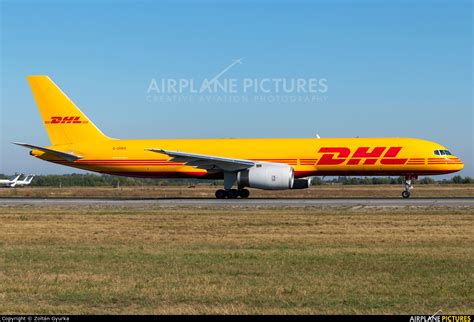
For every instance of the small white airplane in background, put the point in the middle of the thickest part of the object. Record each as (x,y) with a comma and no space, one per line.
(26,181)
(15,182)
(9,183)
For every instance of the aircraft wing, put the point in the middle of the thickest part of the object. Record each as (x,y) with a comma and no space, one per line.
(207,162)
(63,155)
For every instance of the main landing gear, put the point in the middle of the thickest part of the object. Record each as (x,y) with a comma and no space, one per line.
(408,186)
(228,192)
(232,193)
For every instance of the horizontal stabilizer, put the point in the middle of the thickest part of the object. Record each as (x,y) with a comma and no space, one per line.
(63,155)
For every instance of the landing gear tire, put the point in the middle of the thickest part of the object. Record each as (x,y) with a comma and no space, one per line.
(406,194)
(408,186)
(232,193)
(244,193)
(221,194)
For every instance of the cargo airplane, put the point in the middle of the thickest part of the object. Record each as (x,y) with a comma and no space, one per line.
(271,164)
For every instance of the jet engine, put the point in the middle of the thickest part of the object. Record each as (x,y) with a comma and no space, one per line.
(267,176)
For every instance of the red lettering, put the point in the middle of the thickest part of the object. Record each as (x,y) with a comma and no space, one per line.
(366,155)
(67,119)
(56,119)
(328,157)
(392,152)
(363,152)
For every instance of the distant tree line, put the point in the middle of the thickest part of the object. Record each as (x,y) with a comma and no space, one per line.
(94,180)
(398,180)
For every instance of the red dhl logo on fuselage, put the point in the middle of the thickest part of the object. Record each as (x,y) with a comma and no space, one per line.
(65,120)
(363,155)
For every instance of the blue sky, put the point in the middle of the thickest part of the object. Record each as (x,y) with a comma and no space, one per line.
(393,69)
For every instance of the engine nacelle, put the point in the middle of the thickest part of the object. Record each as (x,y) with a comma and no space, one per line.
(267,176)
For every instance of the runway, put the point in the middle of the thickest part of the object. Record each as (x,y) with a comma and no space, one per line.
(245,202)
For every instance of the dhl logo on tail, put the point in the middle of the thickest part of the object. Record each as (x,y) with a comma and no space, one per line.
(65,120)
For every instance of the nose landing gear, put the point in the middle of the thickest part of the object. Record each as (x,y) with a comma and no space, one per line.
(408,186)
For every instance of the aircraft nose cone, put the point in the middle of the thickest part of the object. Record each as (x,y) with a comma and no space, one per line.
(459,165)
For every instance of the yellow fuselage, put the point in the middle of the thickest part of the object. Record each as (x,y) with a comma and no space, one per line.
(308,157)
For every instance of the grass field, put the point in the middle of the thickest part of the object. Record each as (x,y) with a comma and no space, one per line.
(154,259)
(206,191)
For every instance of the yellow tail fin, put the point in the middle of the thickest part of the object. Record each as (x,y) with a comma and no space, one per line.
(65,123)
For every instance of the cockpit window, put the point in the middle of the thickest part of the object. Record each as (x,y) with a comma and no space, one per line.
(442,152)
